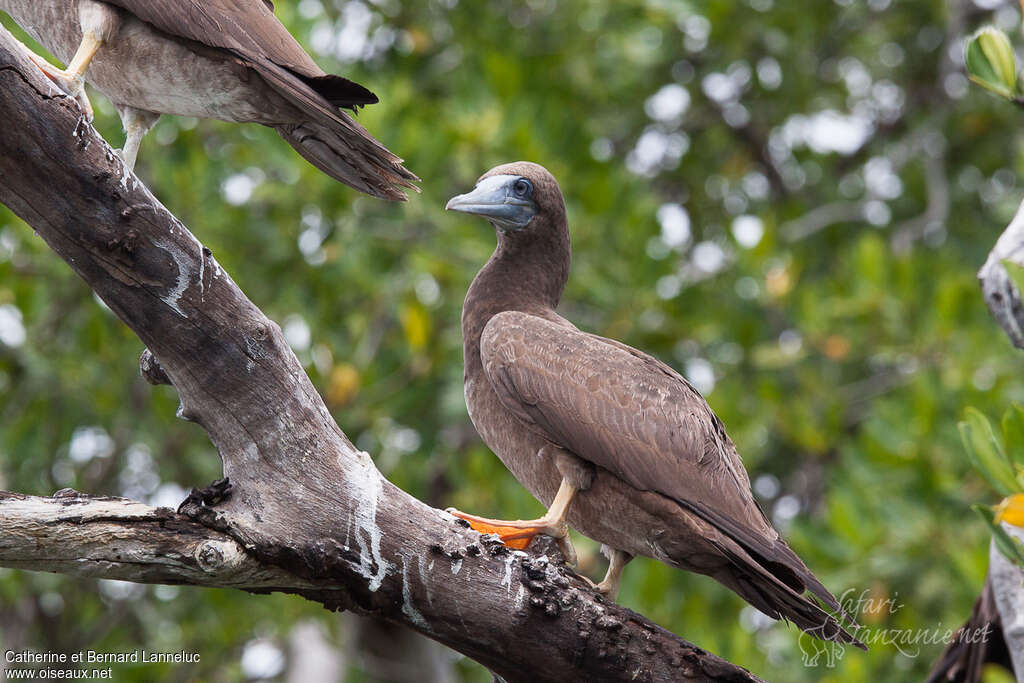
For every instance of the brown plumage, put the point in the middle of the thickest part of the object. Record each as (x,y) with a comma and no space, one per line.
(225,59)
(651,467)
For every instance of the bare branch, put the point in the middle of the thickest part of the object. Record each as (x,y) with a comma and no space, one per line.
(821,217)
(304,500)
(1008,590)
(1000,294)
(936,211)
(117,538)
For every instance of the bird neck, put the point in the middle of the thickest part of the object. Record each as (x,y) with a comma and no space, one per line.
(527,272)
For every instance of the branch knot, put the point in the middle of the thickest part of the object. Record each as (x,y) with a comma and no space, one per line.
(209,557)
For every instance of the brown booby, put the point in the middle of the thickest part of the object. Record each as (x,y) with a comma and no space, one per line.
(222,59)
(616,444)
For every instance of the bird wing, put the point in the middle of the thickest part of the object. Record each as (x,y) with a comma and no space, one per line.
(636,417)
(618,408)
(249,29)
(329,138)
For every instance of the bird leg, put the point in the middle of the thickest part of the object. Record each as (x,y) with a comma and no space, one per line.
(609,586)
(136,124)
(617,561)
(72,79)
(99,22)
(58,77)
(519,533)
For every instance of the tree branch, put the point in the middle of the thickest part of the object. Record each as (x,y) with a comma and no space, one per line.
(1007,580)
(117,538)
(311,512)
(821,217)
(1000,294)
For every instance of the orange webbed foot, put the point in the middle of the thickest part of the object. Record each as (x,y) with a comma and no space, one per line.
(517,534)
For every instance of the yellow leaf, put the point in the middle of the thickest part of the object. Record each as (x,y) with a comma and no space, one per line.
(343,384)
(416,325)
(1011,510)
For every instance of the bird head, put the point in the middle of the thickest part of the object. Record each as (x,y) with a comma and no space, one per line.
(511,196)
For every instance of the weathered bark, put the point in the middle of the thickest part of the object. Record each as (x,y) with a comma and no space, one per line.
(1007,581)
(117,538)
(1000,294)
(312,513)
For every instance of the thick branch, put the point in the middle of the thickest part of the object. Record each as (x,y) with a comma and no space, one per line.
(117,538)
(304,500)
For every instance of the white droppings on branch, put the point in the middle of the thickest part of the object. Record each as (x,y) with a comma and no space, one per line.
(182,281)
(364,484)
(506,580)
(408,608)
(456,566)
(424,581)
(82,125)
(128,180)
(519,597)
(202,272)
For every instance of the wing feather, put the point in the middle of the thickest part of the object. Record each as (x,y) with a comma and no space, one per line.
(636,417)
(618,408)
(248,29)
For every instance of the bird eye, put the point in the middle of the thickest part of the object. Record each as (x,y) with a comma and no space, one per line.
(522,188)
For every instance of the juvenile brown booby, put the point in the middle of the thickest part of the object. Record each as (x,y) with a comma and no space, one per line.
(616,443)
(223,59)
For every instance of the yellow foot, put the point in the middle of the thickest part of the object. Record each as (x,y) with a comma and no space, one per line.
(617,561)
(73,85)
(518,533)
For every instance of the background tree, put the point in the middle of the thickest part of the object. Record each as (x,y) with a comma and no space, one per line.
(786,201)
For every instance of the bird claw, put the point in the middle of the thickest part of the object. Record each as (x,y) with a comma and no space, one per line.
(72,86)
(568,550)
(605,588)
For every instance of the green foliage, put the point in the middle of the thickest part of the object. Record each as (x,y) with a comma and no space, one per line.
(1016,273)
(1008,545)
(999,461)
(842,354)
(988,455)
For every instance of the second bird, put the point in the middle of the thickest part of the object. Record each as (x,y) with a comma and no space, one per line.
(616,443)
(222,59)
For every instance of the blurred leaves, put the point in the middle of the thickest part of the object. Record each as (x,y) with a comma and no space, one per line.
(1009,546)
(987,454)
(1015,271)
(1001,462)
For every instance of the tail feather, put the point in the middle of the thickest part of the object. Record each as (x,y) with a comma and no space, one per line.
(349,160)
(331,140)
(770,576)
(340,91)
(755,584)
